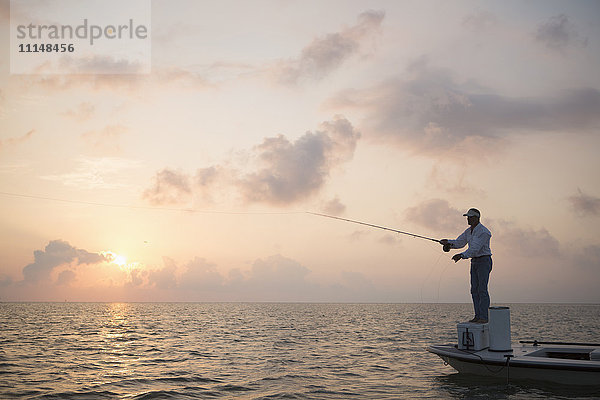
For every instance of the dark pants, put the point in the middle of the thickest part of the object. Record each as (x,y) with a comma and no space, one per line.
(480,275)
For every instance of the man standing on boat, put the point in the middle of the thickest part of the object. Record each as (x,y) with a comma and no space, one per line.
(477,237)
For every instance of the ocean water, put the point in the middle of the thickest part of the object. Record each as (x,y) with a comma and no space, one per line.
(261,350)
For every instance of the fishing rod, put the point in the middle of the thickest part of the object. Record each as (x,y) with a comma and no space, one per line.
(376,226)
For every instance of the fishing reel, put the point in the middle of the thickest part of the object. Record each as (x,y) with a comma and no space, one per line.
(446,247)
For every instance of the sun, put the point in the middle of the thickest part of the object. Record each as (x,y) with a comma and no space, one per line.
(118,259)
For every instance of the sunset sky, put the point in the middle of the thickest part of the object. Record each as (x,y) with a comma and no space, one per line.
(192,182)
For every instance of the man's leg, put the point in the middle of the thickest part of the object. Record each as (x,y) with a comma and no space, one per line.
(475,288)
(483,267)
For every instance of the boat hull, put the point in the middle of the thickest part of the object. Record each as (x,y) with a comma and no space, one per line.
(521,366)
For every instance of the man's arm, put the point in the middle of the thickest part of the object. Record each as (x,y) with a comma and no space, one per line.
(477,243)
(457,243)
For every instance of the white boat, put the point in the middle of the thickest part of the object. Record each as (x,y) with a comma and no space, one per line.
(485,349)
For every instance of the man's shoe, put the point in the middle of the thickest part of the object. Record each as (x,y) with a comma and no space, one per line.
(481,321)
(475,320)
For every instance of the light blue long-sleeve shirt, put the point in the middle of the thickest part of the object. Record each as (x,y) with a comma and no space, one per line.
(478,241)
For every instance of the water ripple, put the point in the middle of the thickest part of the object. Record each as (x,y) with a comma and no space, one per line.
(256,351)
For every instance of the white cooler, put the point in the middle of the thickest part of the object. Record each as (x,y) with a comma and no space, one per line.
(500,329)
(473,336)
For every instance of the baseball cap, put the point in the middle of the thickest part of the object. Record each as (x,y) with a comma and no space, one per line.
(473,212)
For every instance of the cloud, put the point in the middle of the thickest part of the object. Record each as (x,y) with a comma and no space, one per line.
(292,171)
(164,278)
(584,205)
(433,113)
(356,287)
(65,277)
(131,83)
(325,54)
(134,84)
(94,64)
(356,280)
(137,277)
(389,239)
(437,215)
(201,275)
(358,236)
(16,141)
(106,64)
(589,258)
(274,278)
(57,253)
(285,172)
(334,207)
(205,177)
(5,280)
(558,33)
(118,75)
(277,274)
(169,187)
(211,180)
(526,242)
